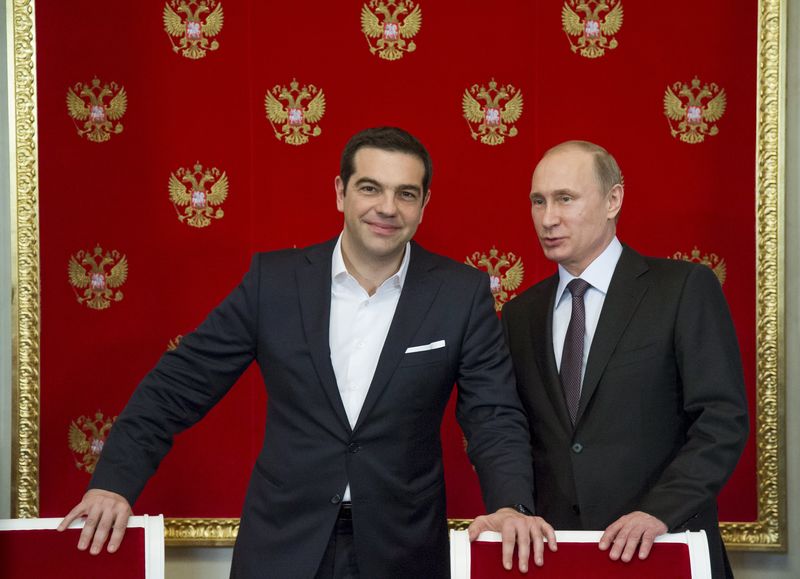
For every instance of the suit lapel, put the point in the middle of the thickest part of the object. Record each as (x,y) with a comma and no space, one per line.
(625,292)
(314,289)
(419,290)
(542,337)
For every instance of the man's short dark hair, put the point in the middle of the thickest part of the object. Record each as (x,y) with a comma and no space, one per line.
(386,139)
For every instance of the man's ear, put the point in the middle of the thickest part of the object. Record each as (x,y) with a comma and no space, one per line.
(339,186)
(615,196)
(425,201)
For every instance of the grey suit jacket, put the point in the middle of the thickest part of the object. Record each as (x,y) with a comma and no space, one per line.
(279,317)
(662,418)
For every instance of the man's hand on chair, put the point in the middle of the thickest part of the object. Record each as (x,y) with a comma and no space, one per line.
(636,529)
(105,513)
(520,530)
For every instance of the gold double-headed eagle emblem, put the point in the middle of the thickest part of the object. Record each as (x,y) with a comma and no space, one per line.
(295,111)
(491,112)
(696,107)
(199,191)
(99,106)
(98,273)
(594,23)
(389,27)
(191,26)
(86,439)
(505,273)
(712,260)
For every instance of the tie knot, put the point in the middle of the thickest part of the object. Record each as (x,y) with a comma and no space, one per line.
(577,287)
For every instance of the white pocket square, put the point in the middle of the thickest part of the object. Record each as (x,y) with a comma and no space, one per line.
(432,346)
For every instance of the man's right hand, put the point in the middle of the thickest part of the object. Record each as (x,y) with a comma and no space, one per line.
(105,512)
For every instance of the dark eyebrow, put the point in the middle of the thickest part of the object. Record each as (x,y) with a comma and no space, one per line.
(402,187)
(367,181)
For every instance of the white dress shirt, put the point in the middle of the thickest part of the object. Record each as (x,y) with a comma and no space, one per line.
(359,324)
(598,274)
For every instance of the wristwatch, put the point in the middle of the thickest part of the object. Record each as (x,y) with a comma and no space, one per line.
(520,508)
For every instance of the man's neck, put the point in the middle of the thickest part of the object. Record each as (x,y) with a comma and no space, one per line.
(370,273)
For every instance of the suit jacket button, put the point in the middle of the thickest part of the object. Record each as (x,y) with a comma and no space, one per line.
(353,447)
(577,448)
(336,499)
(576,509)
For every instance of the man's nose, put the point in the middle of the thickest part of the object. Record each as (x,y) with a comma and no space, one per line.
(387,204)
(550,215)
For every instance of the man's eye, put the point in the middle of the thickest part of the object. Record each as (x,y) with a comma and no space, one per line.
(411,195)
(566,198)
(368,189)
(537,201)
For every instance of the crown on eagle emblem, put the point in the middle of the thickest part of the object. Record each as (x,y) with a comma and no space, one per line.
(98,274)
(86,439)
(601,20)
(99,106)
(389,27)
(193,23)
(295,111)
(696,108)
(505,273)
(199,191)
(491,112)
(712,260)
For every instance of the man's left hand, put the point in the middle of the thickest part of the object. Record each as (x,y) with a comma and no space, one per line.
(520,530)
(628,532)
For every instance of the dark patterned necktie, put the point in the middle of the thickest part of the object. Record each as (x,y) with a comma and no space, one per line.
(572,354)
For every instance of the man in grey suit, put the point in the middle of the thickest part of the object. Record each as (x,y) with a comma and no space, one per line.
(628,368)
(359,341)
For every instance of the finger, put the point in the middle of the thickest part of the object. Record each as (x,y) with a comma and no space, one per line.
(92,518)
(619,543)
(550,533)
(647,544)
(77,511)
(538,545)
(630,546)
(476,528)
(523,550)
(118,532)
(609,535)
(101,533)
(509,535)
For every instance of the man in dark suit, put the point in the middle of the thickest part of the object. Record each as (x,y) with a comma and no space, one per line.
(630,375)
(359,341)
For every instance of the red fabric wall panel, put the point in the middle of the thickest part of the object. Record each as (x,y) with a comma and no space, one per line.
(211,111)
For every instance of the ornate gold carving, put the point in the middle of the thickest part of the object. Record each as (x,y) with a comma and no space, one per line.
(769,531)
(25,267)
(711,260)
(595,30)
(695,108)
(189,188)
(296,120)
(193,23)
(98,273)
(173,343)
(505,273)
(88,103)
(86,439)
(494,110)
(200,532)
(392,23)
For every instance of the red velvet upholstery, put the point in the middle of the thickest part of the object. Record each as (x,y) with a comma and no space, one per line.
(33,549)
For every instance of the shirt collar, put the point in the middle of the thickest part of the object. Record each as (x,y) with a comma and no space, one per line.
(599,272)
(339,270)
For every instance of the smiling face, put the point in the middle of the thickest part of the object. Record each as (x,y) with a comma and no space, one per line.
(574,218)
(383,202)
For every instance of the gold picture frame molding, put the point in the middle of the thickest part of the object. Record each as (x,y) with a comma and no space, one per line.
(767,533)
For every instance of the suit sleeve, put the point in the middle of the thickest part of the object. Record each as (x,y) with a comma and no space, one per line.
(184,385)
(489,410)
(710,369)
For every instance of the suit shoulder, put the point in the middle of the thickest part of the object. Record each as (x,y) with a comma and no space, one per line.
(539,291)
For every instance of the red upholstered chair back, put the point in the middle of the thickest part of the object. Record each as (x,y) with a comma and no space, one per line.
(33,548)
(676,556)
